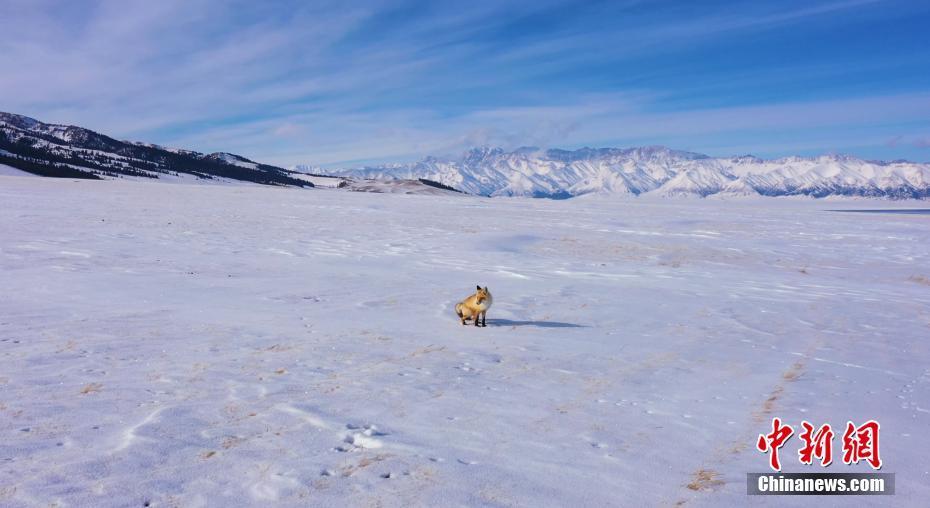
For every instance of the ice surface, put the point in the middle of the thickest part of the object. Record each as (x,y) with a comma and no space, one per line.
(184,345)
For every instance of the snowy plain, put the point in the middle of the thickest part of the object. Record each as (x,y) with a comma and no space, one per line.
(196,345)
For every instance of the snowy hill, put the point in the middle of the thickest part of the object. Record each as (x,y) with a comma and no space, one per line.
(74,152)
(420,187)
(658,171)
(385,186)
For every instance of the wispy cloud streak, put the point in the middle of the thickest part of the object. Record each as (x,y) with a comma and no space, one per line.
(338,83)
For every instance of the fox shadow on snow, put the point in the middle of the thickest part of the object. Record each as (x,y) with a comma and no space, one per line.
(540,324)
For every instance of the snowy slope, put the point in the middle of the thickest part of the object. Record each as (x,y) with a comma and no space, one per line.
(658,171)
(396,186)
(73,152)
(214,345)
(326,182)
(233,159)
(387,186)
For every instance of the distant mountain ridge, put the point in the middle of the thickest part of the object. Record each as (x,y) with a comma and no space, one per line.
(659,171)
(74,152)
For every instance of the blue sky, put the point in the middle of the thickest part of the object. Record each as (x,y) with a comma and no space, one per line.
(346,83)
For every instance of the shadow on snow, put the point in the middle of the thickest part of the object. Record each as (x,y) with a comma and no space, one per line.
(540,324)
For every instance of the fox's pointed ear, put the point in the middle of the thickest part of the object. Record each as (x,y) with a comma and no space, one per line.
(479,288)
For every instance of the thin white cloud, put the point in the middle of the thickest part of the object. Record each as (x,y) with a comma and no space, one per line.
(333,82)
(597,120)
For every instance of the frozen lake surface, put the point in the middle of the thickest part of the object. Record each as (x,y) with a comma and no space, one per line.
(183,345)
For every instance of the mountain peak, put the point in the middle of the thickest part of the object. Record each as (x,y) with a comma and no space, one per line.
(482,152)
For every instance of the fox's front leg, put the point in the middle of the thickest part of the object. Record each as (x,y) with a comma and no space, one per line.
(484,318)
(477,316)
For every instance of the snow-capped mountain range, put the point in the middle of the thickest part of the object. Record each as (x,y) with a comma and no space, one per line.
(658,171)
(74,152)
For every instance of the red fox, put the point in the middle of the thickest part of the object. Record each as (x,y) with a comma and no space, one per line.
(475,306)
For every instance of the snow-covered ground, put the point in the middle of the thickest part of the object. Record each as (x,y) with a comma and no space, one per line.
(185,345)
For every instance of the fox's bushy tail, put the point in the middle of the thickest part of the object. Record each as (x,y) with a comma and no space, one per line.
(458,309)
